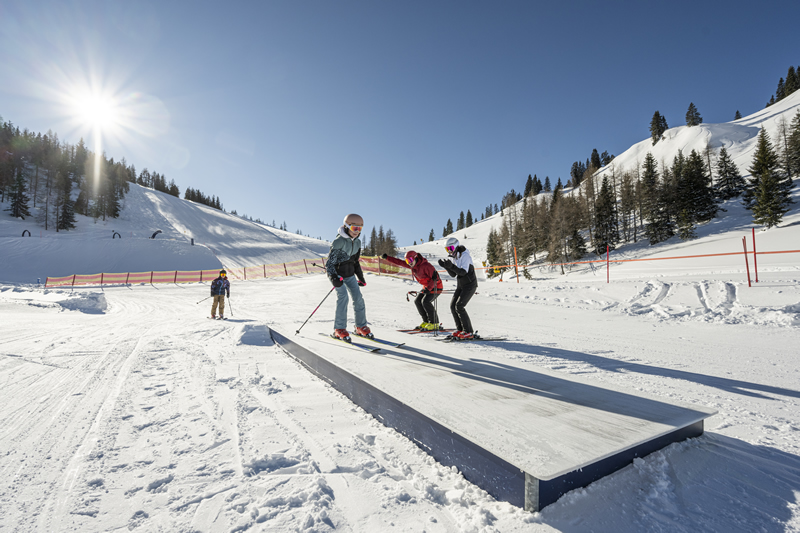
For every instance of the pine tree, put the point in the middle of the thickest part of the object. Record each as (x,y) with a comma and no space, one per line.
(529,186)
(697,196)
(469,221)
(737,116)
(448,228)
(793,149)
(431,236)
(693,117)
(461,224)
(780,91)
(606,235)
(595,160)
(655,208)
(547,184)
(730,183)
(658,125)
(17,197)
(792,81)
(768,194)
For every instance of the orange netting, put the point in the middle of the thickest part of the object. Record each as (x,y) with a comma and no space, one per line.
(295,268)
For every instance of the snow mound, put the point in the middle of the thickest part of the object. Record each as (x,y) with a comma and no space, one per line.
(86,302)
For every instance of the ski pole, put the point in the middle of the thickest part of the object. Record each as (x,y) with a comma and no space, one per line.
(229,304)
(204,299)
(315,310)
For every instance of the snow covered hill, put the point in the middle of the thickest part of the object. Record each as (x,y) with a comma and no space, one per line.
(720,235)
(221,240)
(125,409)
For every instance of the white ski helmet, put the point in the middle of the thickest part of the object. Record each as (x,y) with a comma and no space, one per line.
(353,220)
(451,244)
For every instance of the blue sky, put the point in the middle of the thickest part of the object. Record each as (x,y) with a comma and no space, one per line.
(404,112)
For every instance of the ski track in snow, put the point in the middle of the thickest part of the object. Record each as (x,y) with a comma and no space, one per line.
(148,417)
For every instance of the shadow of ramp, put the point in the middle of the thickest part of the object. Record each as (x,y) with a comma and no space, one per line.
(710,483)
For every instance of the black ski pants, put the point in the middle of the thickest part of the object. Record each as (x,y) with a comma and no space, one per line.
(458,306)
(427,310)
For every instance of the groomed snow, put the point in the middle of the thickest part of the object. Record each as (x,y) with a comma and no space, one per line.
(125,408)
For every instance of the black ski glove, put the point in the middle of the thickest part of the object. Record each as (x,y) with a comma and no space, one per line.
(338,281)
(384,256)
(362,283)
(445,264)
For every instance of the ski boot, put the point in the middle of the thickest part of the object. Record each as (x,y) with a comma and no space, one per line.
(429,326)
(341,334)
(364,332)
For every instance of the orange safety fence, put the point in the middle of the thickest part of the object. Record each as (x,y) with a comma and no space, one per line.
(541,265)
(295,268)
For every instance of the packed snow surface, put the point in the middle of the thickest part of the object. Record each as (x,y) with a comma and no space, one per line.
(126,408)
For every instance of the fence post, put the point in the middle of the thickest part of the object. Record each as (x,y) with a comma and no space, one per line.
(265,270)
(175,280)
(127,277)
(73,279)
(151,277)
(285,271)
(608,267)
(755,261)
(516,268)
(746,264)
(304,264)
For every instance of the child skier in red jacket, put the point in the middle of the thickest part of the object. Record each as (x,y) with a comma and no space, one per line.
(426,274)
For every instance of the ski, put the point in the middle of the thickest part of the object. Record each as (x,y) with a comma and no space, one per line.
(415,331)
(351,343)
(450,338)
(382,341)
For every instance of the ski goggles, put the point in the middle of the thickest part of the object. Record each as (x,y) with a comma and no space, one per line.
(450,249)
(356,229)
(224,275)
(410,261)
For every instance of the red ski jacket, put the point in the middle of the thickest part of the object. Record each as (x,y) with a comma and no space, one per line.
(422,271)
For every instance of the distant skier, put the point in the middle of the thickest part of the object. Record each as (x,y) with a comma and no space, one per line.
(463,270)
(424,273)
(220,287)
(345,273)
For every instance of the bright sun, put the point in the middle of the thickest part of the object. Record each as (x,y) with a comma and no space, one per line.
(97,111)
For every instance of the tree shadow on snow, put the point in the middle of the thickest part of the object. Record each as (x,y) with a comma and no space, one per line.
(747,388)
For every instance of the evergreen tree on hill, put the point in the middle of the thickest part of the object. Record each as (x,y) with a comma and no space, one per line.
(730,184)
(737,116)
(595,160)
(658,125)
(655,203)
(469,221)
(606,235)
(461,224)
(693,117)
(793,148)
(768,193)
(17,197)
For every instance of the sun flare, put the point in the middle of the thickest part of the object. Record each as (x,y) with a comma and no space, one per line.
(96,111)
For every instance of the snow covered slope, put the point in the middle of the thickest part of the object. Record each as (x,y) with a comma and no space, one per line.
(721,235)
(222,240)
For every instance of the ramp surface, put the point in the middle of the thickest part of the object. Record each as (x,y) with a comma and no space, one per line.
(524,435)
